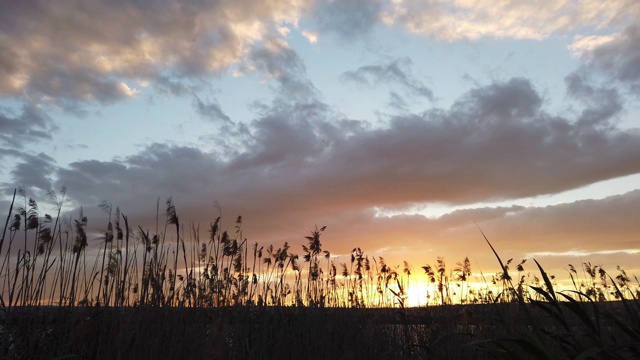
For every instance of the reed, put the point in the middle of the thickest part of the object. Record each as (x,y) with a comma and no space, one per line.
(243,300)
(570,324)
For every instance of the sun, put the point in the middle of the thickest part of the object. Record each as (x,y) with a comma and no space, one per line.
(417,295)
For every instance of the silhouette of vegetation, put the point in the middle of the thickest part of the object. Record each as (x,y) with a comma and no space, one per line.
(61,297)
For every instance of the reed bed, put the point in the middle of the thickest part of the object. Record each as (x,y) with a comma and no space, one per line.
(168,293)
(45,261)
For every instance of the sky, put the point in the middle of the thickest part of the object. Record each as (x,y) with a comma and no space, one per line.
(403,126)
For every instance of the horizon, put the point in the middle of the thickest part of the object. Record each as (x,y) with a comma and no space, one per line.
(138,259)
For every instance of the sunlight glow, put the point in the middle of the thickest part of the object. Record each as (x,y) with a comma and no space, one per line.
(311,36)
(417,295)
(582,45)
(582,253)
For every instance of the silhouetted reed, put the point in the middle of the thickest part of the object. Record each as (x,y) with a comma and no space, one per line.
(47,264)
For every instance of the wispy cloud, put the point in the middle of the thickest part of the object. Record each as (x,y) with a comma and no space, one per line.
(397,72)
(276,60)
(210,110)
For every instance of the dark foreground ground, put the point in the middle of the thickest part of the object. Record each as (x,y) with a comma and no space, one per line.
(444,332)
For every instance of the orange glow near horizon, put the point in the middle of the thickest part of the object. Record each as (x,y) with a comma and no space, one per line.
(417,295)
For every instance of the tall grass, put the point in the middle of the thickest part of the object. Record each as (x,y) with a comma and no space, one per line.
(44,262)
(572,324)
(236,299)
(142,268)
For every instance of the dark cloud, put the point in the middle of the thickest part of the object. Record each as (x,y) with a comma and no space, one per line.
(515,100)
(21,130)
(158,171)
(283,64)
(620,58)
(34,173)
(210,110)
(286,138)
(494,143)
(602,104)
(349,19)
(304,165)
(397,72)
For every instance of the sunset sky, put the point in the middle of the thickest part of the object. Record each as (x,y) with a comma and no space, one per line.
(398,124)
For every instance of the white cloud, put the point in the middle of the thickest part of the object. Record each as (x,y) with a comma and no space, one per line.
(283,30)
(584,45)
(473,19)
(70,53)
(582,253)
(311,36)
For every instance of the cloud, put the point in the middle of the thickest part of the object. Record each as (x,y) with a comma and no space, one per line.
(583,45)
(20,130)
(494,143)
(602,103)
(514,100)
(34,173)
(349,19)
(398,102)
(596,227)
(303,164)
(619,58)
(99,51)
(281,63)
(603,231)
(105,51)
(397,72)
(300,163)
(506,19)
(457,155)
(210,110)
(592,225)
(311,36)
